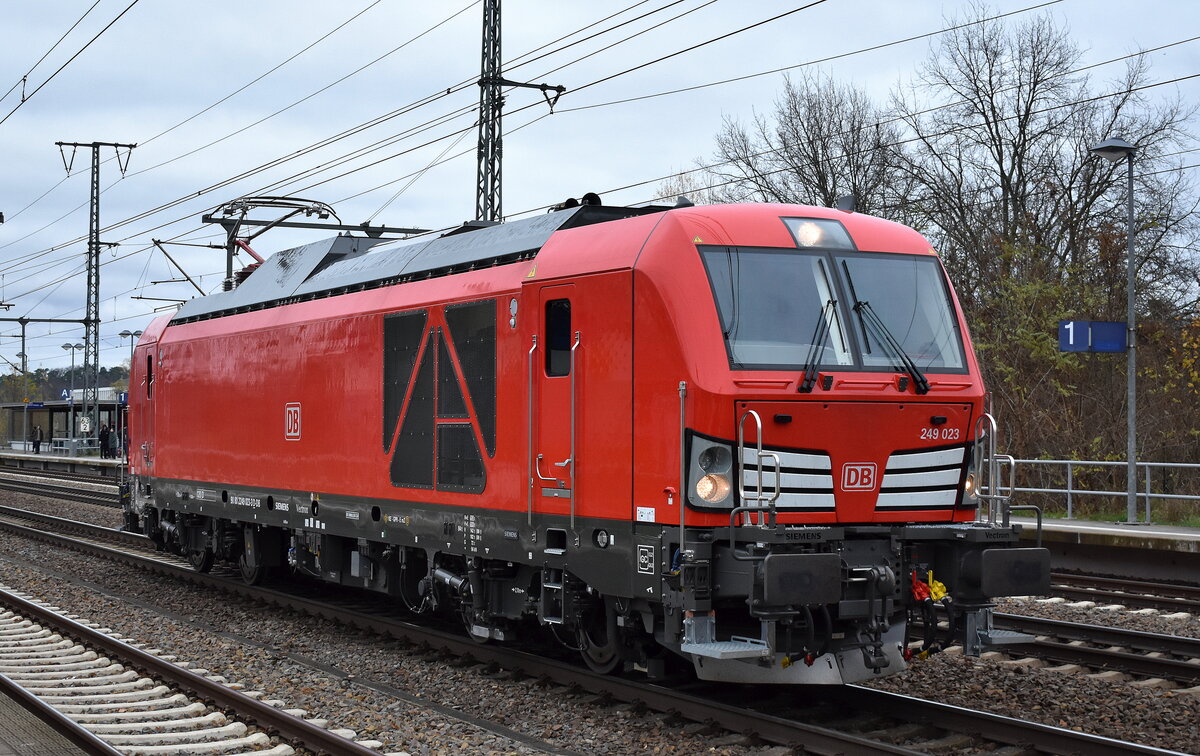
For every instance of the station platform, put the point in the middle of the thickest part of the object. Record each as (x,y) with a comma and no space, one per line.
(23,734)
(61,462)
(1147,552)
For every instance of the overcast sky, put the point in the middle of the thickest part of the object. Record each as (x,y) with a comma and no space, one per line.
(165,61)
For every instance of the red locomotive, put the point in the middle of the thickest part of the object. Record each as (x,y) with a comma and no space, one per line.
(744,436)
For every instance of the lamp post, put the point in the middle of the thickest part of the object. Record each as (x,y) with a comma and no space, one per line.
(25,393)
(71,404)
(133,337)
(1114,150)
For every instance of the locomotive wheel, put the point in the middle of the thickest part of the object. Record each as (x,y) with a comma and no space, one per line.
(251,563)
(600,657)
(597,644)
(201,560)
(253,571)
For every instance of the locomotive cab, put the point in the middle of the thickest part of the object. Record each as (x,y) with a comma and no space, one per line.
(830,463)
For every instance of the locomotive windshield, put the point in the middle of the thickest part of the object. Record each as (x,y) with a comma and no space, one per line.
(772,303)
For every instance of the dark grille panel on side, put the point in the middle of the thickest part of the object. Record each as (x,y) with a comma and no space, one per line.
(450,399)
(473,331)
(412,461)
(401,343)
(460,468)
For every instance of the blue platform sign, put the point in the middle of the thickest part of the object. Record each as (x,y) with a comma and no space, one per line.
(1091,336)
(66,393)
(123,397)
(36,405)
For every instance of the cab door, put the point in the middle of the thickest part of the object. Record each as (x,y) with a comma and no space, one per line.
(141,409)
(556,386)
(581,396)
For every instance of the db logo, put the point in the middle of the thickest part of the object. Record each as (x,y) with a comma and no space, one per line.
(291,421)
(858,476)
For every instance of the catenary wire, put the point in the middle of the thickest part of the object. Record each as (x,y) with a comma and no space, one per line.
(23,79)
(273,163)
(263,75)
(291,156)
(817,61)
(636,185)
(59,70)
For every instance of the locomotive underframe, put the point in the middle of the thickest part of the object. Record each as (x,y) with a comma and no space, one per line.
(787,604)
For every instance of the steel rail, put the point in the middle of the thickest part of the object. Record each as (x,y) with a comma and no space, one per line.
(1060,650)
(994,727)
(74,732)
(1111,636)
(1127,584)
(734,718)
(1180,598)
(82,528)
(274,720)
(69,493)
(30,472)
(1139,665)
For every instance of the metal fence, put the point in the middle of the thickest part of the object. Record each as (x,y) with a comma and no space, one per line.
(1067,471)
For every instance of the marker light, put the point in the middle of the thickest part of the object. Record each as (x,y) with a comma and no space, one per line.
(713,488)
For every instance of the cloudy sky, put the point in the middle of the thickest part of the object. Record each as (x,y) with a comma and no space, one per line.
(227,99)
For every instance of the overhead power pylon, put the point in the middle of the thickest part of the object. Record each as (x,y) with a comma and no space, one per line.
(488,200)
(91,327)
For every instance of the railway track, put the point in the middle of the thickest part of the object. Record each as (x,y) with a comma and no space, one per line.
(110,697)
(1131,652)
(71,488)
(1134,593)
(871,721)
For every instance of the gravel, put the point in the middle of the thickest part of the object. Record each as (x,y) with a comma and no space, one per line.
(1160,718)
(422,706)
(312,665)
(94,514)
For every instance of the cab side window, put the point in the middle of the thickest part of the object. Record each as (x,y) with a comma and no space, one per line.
(558,337)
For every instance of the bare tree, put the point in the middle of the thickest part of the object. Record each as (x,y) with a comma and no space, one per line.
(1032,226)
(825,140)
(1008,185)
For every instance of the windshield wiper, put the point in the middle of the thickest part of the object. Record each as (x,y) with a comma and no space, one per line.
(867,313)
(816,348)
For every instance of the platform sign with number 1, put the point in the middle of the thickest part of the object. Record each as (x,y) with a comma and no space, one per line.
(1091,336)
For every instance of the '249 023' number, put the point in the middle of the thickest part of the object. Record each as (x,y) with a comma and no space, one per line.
(940,434)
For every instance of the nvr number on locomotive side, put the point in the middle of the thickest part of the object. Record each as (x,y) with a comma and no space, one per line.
(940,434)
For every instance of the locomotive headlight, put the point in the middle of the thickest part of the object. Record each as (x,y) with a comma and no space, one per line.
(970,497)
(713,488)
(808,234)
(819,232)
(710,473)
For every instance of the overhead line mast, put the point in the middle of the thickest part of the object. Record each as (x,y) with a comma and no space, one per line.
(91,323)
(488,200)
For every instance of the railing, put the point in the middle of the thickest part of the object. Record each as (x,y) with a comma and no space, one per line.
(1145,492)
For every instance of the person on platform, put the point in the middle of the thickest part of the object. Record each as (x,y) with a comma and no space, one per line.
(104,435)
(114,443)
(36,437)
